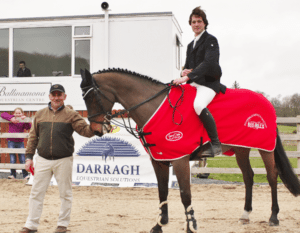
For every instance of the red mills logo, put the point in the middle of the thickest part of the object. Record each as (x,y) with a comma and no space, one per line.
(174,136)
(255,121)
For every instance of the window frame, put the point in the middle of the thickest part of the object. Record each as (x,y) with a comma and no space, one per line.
(178,46)
(83,25)
(80,37)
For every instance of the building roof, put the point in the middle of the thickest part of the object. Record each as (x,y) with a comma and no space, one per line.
(147,14)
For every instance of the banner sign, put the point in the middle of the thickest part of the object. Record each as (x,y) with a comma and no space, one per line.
(24,93)
(114,160)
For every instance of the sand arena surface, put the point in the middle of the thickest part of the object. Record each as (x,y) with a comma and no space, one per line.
(134,210)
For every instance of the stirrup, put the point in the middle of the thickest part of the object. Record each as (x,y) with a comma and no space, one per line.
(212,151)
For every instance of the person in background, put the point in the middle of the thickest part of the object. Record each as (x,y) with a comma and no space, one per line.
(51,135)
(16,127)
(23,71)
(202,70)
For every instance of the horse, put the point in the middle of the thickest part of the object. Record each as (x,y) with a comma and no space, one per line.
(108,152)
(141,96)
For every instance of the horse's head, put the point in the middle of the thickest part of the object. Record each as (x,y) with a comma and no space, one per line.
(98,105)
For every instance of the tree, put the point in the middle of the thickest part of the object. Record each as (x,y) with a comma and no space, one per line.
(236,85)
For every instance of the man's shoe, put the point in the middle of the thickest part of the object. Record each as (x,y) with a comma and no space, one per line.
(61,229)
(11,177)
(26,230)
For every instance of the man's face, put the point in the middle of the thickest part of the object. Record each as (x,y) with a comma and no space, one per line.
(22,65)
(197,25)
(57,99)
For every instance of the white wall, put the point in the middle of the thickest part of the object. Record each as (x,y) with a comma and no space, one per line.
(141,43)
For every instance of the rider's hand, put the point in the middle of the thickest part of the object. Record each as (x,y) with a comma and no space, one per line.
(185,72)
(181,80)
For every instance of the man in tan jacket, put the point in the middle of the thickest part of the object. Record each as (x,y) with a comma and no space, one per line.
(51,135)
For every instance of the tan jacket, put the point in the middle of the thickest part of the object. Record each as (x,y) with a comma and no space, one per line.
(51,133)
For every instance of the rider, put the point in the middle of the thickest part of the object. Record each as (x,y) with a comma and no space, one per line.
(202,70)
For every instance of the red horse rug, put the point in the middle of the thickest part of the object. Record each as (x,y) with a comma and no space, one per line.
(244,118)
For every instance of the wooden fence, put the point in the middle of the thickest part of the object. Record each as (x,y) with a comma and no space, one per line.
(194,170)
(284,137)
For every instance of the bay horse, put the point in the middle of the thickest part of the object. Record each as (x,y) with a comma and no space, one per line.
(141,96)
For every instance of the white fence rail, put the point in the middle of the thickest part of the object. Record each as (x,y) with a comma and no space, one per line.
(284,137)
(194,170)
(14,150)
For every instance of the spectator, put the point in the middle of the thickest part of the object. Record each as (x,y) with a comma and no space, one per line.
(23,71)
(16,127)
(55,156)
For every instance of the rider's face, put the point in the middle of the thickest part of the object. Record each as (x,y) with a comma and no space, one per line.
(197,25)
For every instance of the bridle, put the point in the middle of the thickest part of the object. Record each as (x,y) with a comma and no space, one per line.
(108,116)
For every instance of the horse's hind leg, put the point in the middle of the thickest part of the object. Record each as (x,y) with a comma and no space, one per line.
(242,158)
(182,171)
(162,174)
(272,174)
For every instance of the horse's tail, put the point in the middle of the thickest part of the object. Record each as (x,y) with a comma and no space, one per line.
(285,170)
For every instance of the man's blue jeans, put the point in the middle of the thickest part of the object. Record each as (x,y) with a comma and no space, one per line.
(13,159)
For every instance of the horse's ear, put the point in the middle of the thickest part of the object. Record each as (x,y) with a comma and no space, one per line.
(82,73)
(88,77)
(83,82)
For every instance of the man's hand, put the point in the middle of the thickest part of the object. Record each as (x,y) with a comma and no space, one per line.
(181,80)
(28,164)
(185,72)
(14,120)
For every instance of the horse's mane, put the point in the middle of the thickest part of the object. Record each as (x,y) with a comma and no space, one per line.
(129,73)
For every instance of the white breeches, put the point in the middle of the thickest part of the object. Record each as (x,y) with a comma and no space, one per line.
(203,97)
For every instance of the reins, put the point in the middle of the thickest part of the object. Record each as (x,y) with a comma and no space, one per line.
(110,117)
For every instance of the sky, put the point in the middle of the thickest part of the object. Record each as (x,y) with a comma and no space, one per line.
(259,39)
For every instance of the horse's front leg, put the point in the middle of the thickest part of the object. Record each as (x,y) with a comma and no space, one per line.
(182,171)
(162,174)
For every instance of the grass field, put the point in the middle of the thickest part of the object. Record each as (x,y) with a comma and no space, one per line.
(230,162)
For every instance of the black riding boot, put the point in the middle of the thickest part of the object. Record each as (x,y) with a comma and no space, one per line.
(210,126)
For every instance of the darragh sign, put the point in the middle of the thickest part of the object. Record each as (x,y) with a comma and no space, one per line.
(24,93)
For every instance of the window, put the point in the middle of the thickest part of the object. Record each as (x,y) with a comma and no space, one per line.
(82,48)
(81,31)
(4,43)
(82,55)
(178,57)
(46,51)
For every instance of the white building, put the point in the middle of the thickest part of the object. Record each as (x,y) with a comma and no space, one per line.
(56,48)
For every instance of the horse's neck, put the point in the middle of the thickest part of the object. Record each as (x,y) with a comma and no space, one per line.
(133,91)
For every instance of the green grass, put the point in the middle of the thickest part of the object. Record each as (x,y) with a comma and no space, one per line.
(230,162)
(286,129)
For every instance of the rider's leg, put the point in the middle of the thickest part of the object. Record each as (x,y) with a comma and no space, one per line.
(204,96)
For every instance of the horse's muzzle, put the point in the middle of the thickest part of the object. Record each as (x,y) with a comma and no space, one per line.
(97,133)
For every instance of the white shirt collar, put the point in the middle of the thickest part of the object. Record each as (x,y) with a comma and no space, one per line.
(198,37)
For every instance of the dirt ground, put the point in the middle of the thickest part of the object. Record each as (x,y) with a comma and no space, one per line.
(134,210)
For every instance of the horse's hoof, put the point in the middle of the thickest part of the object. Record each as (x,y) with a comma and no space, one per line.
(244,221)
(274,223)
(156,229)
